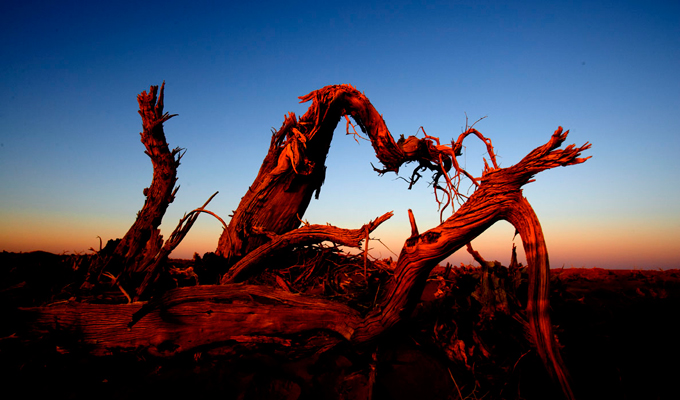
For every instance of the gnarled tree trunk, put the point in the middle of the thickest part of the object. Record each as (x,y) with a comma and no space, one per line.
(143,240)
(294,167)
(210,316)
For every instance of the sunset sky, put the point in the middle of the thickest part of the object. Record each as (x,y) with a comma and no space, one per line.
(72,167)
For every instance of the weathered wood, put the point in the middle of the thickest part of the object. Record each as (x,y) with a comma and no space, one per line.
(524,219)
(498,197)
(265,221)
(142,241)
(306,235)
(490,294)
(153,263)
(294,167)
(204,316)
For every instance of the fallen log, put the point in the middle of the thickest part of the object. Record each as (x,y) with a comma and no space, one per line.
(197,318)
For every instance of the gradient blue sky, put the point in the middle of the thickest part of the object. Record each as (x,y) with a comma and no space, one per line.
(72,167)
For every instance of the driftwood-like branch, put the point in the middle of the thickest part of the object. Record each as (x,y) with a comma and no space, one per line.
(206,316)
(524,219)
(478,257)
(306,235)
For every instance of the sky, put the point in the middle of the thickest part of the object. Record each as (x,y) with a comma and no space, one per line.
(72,167)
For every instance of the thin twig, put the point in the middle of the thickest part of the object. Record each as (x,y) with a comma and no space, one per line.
(114,280)
(366,253)
(355,133)
(460,395)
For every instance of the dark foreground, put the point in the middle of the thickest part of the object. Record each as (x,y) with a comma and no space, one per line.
(617,328)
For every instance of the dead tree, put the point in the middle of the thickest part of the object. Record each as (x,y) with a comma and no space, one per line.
(136,258)
(143,239)
(294,168)
(206,316)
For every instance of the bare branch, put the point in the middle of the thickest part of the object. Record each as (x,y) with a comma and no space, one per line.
(305,235)
(153,264)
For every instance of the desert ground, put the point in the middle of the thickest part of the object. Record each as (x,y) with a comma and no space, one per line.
(616,330)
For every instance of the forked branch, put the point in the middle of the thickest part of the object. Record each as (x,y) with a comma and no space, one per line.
(154,264)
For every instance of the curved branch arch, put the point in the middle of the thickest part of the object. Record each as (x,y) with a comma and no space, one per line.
(294,167)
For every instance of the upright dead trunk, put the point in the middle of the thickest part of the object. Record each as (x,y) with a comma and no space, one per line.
(143,240)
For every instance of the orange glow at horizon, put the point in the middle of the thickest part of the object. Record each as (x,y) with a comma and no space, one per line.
(607,246)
